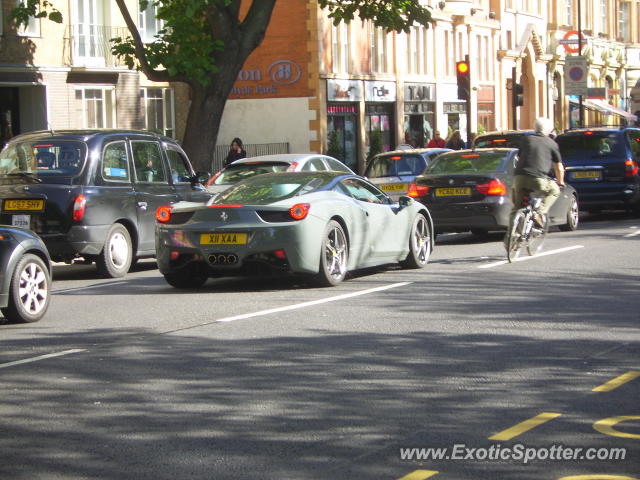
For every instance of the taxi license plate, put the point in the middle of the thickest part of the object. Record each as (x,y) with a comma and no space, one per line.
(223,239)
(591,174)
(21,221)
(23,205)
(453,192)
(394,187)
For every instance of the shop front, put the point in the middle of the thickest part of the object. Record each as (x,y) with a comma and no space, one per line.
(419,114)
(380,99)
(343,100)
(486,109)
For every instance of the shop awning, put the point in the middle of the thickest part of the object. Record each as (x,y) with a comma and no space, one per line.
(603,107)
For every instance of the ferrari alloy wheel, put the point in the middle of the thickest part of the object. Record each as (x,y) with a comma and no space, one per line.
(333,256)
(116,256)
(420,244)
(29,291)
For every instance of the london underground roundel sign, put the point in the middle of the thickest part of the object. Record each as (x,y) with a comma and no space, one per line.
(570,43)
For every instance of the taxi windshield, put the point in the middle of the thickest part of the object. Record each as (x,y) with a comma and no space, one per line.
(42,160)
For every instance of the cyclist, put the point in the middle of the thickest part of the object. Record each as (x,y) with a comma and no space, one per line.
(539,155)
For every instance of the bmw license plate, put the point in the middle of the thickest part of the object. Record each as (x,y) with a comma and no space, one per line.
(453,192)
(223,239)
(21,221)
(393,187)
(34,205)
(587,174)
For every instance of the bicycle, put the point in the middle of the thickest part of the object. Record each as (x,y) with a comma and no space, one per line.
(524,231)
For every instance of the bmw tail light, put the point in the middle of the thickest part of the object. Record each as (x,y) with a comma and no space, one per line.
(630,168)
(494,187)
(417,190)
(299,211)
(163,214)
(79,206)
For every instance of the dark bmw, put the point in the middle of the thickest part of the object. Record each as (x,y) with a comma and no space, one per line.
(602,165)
(92,195)
(25,278)
(470,190)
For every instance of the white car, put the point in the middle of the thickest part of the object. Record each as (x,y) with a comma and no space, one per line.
(286,162)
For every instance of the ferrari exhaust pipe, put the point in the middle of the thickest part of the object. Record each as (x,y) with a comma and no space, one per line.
(223,259)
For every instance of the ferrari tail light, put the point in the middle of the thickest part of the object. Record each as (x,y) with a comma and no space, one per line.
(630,168)
(280,254)
(494,187)
(417,190)
(163,214)
(299,211)
(292,167)
(79,206)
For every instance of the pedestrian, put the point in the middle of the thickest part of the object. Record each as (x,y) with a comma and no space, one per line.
(437,141)
(236,152)
(455,141)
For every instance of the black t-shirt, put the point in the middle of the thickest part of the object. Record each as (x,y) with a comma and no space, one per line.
(537,155)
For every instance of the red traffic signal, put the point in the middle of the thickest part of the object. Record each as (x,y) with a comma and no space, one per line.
(462,74)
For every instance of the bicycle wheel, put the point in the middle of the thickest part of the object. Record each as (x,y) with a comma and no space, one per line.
(514,241)
(537,236)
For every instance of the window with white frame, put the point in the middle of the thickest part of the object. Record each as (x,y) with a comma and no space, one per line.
(378,47)
(149,23)
(340,47)
(430,49)
(158,104)
(96,106)
(568,11)
(30,30)
(448,50)
(603,16)
(415,49)
(623,20)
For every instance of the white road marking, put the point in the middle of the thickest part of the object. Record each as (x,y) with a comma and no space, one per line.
(543,254)
(311,303)
(41,357)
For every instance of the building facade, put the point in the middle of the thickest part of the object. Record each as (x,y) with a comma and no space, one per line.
(57,76)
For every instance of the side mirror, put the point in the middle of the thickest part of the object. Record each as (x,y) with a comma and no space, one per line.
(405,201)
(200,177)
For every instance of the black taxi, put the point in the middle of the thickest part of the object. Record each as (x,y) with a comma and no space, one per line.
(93,194)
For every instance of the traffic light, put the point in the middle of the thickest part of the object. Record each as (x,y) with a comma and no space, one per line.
(517,97)
(462,72)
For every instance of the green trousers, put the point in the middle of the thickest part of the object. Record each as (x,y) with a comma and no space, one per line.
(544,187)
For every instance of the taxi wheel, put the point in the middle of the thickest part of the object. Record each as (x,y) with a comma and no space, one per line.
(29,291)
(185,279)
(116,256)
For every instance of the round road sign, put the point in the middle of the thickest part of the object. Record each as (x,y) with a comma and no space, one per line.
(569,42)
(576,73)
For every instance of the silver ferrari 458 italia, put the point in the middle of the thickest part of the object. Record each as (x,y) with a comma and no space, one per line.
(318,224)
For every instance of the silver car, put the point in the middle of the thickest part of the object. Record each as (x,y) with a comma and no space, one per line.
(286,162)
(393,172)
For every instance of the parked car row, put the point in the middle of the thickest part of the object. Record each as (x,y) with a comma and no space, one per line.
(112,197)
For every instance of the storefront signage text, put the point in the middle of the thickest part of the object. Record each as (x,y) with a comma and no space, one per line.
(417,92)
(344,90)
(380,91)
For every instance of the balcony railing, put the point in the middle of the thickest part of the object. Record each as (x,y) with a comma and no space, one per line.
(89,46)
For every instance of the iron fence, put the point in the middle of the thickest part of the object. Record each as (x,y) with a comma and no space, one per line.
(252,149)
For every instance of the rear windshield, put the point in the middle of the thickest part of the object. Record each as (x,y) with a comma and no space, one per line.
(501,141)
(45,160)
(235,173)
(395,165)
(469,162)
(265,189)
(577,146)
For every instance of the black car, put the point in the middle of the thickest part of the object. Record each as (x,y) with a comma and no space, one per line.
(602,165)
(502,139)
(93,194)
(471,190)
(25,282)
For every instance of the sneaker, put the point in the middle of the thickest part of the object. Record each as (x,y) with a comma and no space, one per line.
(538,219)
